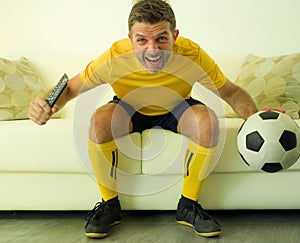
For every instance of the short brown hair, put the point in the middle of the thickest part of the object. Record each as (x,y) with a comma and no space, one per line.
(152,12)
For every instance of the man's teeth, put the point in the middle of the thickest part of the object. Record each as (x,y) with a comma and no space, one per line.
(153,59)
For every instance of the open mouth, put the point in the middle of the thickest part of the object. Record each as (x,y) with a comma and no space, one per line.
(154,64)
(154,60)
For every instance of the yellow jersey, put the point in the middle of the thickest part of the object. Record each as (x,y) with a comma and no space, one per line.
(153,93)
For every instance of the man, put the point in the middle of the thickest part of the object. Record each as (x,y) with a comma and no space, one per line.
(152,73)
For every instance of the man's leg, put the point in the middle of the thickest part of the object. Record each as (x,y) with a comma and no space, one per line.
(109,122)
(200,124)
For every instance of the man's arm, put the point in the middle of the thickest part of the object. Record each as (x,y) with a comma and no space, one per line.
(39,110)
(238,99)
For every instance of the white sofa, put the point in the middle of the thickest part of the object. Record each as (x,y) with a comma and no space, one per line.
(47,167)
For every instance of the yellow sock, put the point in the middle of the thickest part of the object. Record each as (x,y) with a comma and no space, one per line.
(104,158)
(198,163)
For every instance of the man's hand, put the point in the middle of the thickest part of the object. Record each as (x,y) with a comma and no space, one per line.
(40,112)
(267,108)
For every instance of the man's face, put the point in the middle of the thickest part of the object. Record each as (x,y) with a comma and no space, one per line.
(152,44)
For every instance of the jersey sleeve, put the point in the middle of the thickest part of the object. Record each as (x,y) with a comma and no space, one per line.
(97,71)
(216,78)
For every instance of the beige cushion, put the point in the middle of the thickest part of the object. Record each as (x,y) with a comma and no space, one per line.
(19,85)
(272,81)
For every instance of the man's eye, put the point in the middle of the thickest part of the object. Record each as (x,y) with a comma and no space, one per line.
(141,40)
(162,38)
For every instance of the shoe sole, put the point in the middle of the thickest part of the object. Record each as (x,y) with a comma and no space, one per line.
(208,234)
(100,235)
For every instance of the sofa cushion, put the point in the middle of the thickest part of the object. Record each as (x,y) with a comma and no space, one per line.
(272,81)
(19,85)
(164,151)
(26,147)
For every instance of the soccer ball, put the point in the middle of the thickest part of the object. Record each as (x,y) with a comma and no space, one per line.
(269,141)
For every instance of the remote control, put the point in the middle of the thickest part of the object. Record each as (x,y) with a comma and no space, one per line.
(59,88)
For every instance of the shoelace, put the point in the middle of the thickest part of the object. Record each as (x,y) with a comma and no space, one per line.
(198,210)
(97,210)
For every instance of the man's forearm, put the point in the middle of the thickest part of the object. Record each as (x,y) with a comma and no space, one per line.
(243,104)
(62,100)
(70,92)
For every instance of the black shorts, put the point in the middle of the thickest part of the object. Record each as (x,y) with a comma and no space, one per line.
(167,121)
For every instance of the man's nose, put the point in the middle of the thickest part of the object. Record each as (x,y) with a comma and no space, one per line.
(152,48)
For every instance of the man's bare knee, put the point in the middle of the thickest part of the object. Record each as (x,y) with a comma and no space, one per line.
(201,125)
(109,122)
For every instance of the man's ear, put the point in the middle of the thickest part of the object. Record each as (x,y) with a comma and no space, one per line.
(129,36)
(176,33)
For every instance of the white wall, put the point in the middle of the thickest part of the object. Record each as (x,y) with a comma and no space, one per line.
(257,26)
(30,27)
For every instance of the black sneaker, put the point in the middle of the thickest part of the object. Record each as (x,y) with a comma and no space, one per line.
(191,213)
(102,217)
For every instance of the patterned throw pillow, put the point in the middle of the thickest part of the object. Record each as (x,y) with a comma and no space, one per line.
(273,82)
(19,85)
